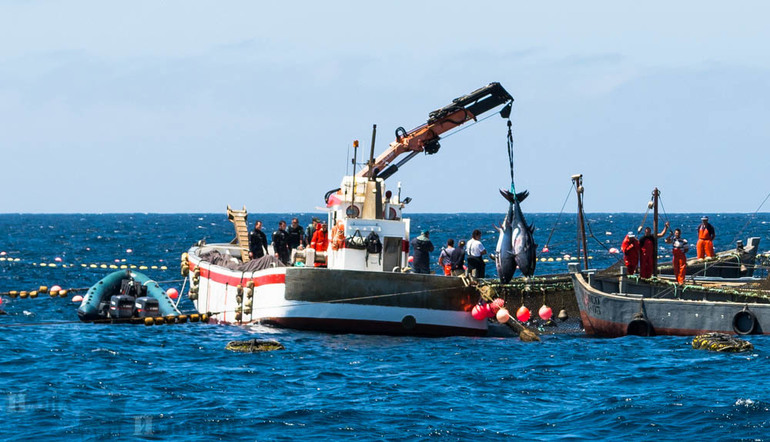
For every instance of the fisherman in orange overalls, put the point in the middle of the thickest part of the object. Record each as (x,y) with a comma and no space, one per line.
(705,245)
(680,248)
(646,251)
(320,240)
(630,248)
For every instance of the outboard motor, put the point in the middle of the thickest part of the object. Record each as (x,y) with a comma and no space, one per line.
(121,306)
(147,307)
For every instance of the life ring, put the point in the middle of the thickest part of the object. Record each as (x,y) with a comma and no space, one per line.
(338,236)
(744,322)
(639,326)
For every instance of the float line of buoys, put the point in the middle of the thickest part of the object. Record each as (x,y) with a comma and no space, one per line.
(201,318)
(56,291)
(90,265)
(53,292)
(158,320)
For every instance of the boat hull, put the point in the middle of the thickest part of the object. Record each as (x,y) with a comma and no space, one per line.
(338,301)
(664,309)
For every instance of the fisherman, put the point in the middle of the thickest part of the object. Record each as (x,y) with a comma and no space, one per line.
(630,248)
(280,242)
(647,251)
(705,244)
(257,241)
(320,241)
(444,259)
(680,249)
(422,247)
(476,251)
(310,230)
(296,234)
(457,258)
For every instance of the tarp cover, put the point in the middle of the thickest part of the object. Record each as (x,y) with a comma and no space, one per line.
(218,259)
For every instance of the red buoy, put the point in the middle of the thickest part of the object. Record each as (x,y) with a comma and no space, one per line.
(497,304)
(172,293)
(523,314)
(479,313)
(545,312)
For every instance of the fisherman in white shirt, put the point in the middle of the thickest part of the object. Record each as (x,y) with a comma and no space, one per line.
(476,251)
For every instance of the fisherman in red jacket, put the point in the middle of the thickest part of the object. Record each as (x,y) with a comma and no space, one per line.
(630,248)
(647,251)
(705,245)
(320,241)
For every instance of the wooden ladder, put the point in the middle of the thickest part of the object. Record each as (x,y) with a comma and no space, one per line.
(238,217)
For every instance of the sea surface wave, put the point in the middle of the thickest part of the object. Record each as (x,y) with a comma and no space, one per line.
(65,379)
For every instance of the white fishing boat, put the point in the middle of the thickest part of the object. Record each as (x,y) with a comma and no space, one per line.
(360,283)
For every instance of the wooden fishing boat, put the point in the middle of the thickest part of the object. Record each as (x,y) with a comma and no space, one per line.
(614,304)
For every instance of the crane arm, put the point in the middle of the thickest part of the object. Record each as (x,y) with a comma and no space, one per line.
(425,137)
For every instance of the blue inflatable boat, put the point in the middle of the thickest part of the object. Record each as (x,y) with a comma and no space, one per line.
(125,295)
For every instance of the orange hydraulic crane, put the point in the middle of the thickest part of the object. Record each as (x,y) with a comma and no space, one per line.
(425,138)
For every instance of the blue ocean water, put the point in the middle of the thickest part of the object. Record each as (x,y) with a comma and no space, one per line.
(63,379)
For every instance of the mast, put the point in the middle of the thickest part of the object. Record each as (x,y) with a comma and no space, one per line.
(655,195)
(370,164)
(578,181)
(355,156)
(373,197)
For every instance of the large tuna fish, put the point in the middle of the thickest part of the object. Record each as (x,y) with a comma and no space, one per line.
(515,246)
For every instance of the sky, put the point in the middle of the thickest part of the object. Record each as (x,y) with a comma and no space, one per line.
(188,106)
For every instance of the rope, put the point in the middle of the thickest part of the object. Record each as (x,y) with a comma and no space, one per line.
(47,290)
(510,156)
(649,206)
(553,229)
(358,298)
(467,126)
(385,295)
(585,218)
(751,218)
(665,215)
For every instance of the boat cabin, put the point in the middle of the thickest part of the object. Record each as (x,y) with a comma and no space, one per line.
(367,231)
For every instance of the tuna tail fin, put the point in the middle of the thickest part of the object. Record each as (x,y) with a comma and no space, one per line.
(521,196)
